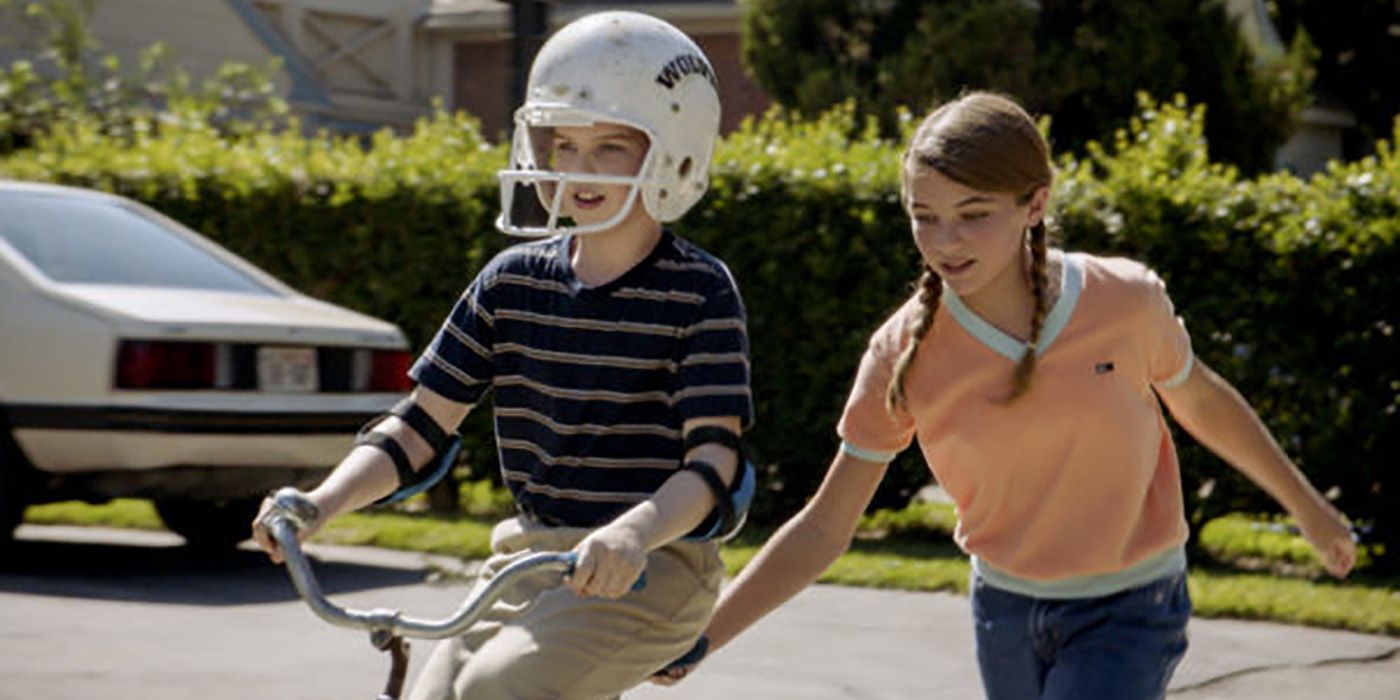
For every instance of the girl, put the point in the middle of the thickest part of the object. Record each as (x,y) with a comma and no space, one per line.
(617,354)
(1033,380)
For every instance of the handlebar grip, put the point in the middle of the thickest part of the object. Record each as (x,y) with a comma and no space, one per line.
(572,557)
(293,505)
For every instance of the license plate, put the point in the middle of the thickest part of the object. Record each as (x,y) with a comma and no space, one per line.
(287,370)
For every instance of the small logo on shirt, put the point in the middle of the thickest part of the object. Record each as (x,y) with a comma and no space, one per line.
(1103,367)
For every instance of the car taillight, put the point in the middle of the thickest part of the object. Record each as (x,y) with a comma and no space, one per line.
(389,371)
(152,364)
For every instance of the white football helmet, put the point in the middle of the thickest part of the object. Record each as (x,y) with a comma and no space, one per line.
(621,67)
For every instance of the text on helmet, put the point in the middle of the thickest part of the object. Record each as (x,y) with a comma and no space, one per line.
(682,66)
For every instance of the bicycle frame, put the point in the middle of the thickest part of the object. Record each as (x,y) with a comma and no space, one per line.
(291,512)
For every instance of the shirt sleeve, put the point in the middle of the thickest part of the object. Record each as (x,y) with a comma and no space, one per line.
(713,357)
(868,428)
(459,363)
(1169,355)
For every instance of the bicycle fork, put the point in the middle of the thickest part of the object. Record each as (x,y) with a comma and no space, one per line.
(397,648)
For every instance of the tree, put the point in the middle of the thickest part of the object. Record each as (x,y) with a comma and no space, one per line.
(1082,61)
(1094,56)
(1358,44)
(71,77)
(814,54)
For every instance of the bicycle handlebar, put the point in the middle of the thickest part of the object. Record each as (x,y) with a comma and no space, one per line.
(291,512)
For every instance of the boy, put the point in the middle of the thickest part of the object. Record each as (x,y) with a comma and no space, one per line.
(618,356)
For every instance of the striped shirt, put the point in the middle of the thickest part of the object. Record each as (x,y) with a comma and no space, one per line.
(593,384)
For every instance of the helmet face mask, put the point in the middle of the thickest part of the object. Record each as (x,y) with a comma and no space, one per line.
(533,189)
(619,68)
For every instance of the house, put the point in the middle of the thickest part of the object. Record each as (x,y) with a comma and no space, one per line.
(359,65)
(479,34)
(1318,137)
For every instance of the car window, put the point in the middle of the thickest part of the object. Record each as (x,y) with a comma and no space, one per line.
(86,241)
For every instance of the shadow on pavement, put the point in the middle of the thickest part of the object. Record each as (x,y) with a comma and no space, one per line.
(174,575)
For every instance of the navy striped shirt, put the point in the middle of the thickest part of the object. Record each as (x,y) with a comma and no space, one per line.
(593,384)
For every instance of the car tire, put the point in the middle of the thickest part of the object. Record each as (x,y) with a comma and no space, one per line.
(211,526)
(16,482)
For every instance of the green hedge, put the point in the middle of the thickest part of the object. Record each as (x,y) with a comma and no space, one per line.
(1289,287)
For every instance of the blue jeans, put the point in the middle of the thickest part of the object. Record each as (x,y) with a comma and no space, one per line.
(1123,646)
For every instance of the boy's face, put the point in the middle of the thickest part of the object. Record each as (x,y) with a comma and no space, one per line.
(604,149)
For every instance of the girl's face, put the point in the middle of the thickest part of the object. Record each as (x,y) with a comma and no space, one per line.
(604,149)
(969,237)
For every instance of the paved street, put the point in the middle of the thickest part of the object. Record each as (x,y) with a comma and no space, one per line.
(90,613)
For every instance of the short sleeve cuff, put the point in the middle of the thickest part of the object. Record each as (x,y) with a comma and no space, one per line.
(867,455)
(716,409)
(456,388)
(1179,378)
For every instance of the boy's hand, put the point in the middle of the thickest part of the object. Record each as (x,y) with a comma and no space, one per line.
(1327,531)
(609,561)
(262,534)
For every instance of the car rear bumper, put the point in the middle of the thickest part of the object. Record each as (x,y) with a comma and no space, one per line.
(68,439)
(184,483)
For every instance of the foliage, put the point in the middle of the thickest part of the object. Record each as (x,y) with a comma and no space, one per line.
(1270,543)
(459,537)
(816,280)
(1081,61)
(126,513)
(915,560)
(1288,286)
(73,78)
(917,520)
(814,55)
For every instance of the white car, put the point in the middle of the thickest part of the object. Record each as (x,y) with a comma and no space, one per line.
(139,359)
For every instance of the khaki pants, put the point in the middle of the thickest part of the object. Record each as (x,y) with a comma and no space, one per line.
(540,643)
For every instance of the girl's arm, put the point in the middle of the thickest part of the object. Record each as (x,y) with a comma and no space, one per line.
(1216,415)
(794,557)
(800,550)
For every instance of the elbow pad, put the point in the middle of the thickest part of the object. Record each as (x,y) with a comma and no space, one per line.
(412,482)
(732,501)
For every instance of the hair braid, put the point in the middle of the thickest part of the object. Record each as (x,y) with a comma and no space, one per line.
(930,291)
(1040,290)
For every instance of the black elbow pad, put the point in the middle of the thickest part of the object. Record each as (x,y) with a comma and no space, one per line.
(731,500)
(411,481)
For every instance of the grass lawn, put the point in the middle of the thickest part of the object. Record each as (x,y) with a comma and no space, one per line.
(1253,569)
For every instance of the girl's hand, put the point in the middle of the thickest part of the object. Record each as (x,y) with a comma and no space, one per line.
(609,561)
(1330,536)
(680,668)
(672,675)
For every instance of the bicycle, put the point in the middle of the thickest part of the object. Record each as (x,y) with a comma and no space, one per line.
(291,512)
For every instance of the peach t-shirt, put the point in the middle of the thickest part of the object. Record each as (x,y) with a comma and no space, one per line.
(1077,477)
